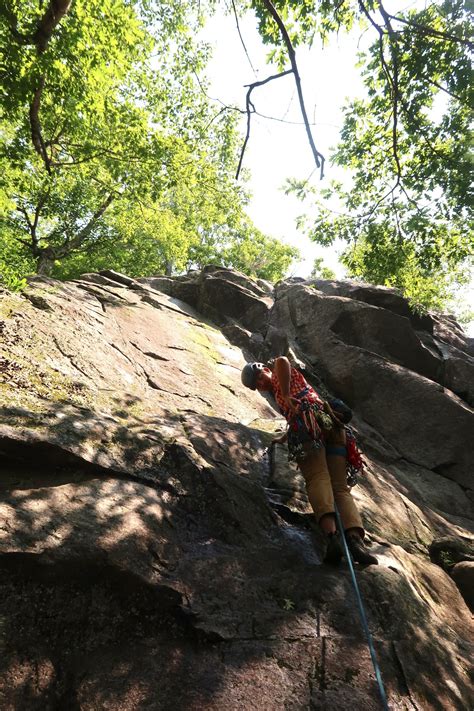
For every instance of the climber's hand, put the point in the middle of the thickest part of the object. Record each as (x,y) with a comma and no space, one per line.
(292,403)
(281,439)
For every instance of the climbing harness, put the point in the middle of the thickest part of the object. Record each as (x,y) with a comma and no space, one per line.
(363,617)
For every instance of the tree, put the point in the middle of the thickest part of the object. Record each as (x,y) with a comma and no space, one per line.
(112,154)
(320,271)
(379,259)
(258,255)
(103,110)
(406,145)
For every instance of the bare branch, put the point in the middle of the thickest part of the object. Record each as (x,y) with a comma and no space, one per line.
(270,78)
(250,109)
(293,123)
(216,116)
(318,157)
(241,38)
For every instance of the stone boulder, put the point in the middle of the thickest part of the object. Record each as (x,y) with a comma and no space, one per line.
(384,297)
(447,551)
(222,294)
(433,345)
(446,329)
(459,374)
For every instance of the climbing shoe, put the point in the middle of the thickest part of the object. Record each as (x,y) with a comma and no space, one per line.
(334,550)
(359,552)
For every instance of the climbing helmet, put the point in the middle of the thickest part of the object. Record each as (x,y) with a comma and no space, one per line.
(250,373)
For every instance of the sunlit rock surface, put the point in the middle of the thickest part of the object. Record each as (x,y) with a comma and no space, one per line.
(155,554)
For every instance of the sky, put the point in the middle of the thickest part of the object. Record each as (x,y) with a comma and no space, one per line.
(278,147)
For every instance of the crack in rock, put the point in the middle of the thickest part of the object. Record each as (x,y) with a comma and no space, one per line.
(229,388)
(123,354)
(70,358)
(150,354)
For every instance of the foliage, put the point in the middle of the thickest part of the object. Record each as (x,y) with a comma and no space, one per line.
(142,240)
(406,211)
(428,260)
(464,313)
(446,559)
(320,271)
(112,154)
(380,260)
(259,256)
(14,263)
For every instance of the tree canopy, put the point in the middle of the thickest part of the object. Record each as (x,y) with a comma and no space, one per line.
(112,154)
(406,211)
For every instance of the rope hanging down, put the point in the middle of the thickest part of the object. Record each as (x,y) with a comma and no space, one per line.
(363,617)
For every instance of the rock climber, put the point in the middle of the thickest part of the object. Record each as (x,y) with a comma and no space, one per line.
(323,448)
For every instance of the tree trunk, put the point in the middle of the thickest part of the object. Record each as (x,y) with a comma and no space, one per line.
(45,262)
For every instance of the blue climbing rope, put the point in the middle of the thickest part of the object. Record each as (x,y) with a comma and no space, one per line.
(363,617)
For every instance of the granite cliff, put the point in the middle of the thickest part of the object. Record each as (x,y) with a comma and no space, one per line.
(155,553)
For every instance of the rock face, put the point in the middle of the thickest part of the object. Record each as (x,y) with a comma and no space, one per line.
(156,554)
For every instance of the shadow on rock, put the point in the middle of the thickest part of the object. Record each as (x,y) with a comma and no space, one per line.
(141,569)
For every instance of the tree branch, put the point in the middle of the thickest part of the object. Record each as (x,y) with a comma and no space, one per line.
(241,38)
(381,36)
(36,135)
(430,31)
(318,157)
(40,37)
(87,229)
(24,212)
(412,120)
(32,224)
(33,244)
(395,88)
(392,79)
(48,23)
(7,12)
(446,91)
(45,26)
(250,109)
(38,209)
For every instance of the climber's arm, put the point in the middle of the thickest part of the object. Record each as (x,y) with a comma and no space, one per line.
(282,369)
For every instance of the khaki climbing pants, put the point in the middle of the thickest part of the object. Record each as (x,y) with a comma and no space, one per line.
(325,477)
